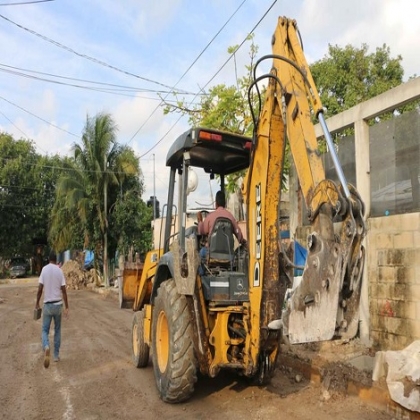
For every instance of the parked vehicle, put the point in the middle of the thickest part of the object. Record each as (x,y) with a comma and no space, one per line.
(19,267)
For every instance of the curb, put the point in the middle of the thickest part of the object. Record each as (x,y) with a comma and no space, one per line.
(349,376)
(25,280)
(106,291)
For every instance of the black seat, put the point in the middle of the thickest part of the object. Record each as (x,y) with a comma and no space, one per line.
(221,244)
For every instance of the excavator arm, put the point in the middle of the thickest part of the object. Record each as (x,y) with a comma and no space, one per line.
(325,304)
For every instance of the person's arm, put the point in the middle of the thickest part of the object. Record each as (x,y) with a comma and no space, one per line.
(237,230)
(66,302)
(38,295)
(200,223)
(203,225)
(239,234)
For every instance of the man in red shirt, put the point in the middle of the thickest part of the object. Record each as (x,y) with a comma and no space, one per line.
(206,226)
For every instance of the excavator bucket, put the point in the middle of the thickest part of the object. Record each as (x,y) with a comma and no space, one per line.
(326,302)
(312,310)
(129,281)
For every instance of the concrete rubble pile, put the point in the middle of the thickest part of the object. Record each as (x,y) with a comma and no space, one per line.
(402,372)
(76,277)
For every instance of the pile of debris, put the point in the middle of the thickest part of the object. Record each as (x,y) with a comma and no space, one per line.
(77,278)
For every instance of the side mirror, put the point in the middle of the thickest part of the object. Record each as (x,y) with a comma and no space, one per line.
(192,180)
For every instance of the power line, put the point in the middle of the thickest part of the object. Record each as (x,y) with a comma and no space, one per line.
(115,68)
(69,169)
(17,128)
(11,70)
(36,116)
(24,2)
(87,57)
(49,123)
(213,77)
(14,125)
(183,75)
(240,45)
(117,91)
(112,87)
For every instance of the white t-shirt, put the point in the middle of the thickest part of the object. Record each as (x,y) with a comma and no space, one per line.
(52,278)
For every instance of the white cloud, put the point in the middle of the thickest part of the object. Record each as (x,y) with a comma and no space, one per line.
(49,104)
(374,22)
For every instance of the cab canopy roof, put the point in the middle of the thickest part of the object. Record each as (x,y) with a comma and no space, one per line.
(215,151)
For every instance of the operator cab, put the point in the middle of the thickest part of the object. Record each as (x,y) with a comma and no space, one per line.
(218,154)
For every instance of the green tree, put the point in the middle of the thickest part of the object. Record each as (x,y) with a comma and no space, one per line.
(87,192)
(347,76)
(224,107)
(130,223)
(129,217)
(27,189)
(16,195)
(344,77)
(68,225)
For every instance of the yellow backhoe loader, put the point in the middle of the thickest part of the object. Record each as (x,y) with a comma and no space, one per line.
(229,312)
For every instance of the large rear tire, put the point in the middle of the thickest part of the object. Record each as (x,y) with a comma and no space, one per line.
(140,350)
(174,360)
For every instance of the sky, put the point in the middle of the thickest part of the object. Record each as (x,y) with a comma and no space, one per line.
(62,61)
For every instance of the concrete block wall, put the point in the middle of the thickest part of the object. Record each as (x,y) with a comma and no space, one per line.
(393,264)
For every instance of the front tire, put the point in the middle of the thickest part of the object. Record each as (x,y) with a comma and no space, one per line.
(174,360)
(140,350)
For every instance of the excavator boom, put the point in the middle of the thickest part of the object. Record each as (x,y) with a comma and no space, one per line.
(325,304)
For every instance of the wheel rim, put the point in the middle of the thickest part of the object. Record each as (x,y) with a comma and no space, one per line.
(135,339)
(162,341)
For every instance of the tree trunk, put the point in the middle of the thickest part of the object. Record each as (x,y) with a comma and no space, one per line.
(106,277)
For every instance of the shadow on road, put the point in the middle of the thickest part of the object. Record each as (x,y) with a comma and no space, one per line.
(283,383)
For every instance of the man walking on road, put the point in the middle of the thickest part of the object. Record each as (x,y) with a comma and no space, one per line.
(53,281)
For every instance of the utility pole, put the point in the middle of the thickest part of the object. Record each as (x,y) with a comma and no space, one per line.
(154,189)
(106,279)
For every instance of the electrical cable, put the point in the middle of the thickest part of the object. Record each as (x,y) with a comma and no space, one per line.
(20,72)
(11,122)
(62,168)
(185,73)
(212,78)
(241,44)
(36,116)
(115,68)
(171,88)
(118,92)
(24,2)
(87,57)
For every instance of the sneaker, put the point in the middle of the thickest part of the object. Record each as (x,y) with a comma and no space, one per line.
(47,357)
(56,358)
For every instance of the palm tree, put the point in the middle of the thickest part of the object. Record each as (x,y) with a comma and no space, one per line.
(82,193)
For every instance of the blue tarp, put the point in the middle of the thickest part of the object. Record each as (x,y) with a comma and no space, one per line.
(89,256)
(285,234)
(300,255)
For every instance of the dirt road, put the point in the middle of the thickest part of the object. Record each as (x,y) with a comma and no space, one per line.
(96,379)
